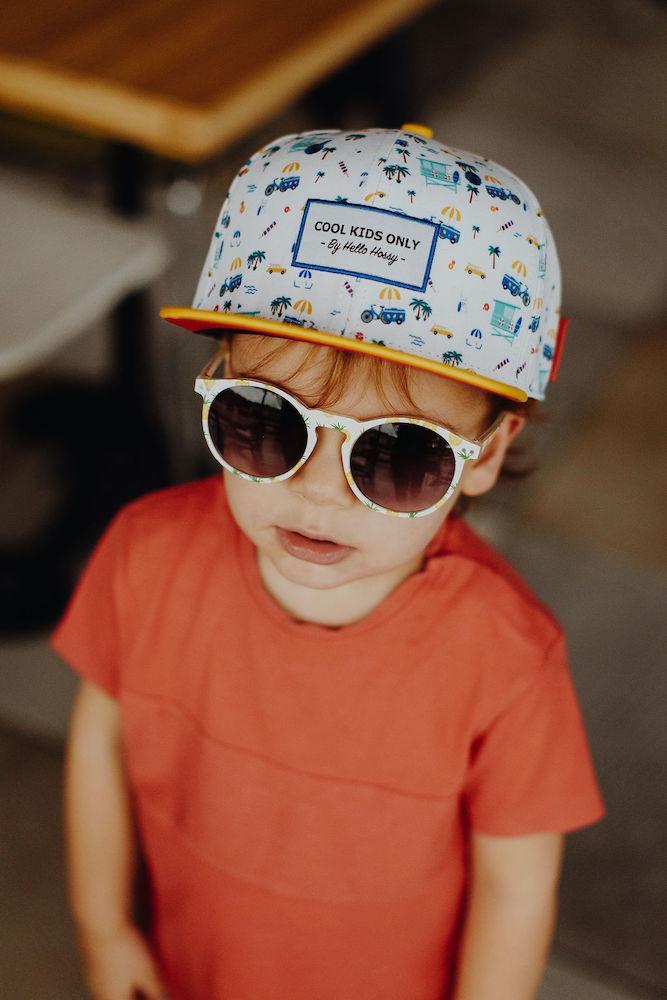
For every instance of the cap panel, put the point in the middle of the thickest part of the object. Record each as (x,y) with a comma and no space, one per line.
(392,240)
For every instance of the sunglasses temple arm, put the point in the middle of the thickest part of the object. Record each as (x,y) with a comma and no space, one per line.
(488,436)
(218,359)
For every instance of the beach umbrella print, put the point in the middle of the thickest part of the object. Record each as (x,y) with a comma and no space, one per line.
(304,306)
(236,264)
(289,168)
(389,292)
(520,268)
(451,212)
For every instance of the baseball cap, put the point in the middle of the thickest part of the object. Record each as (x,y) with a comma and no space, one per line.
(390,243)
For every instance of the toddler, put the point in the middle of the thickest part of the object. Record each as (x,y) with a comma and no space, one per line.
(335,723)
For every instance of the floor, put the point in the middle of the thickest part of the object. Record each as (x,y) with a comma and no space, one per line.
(560,96)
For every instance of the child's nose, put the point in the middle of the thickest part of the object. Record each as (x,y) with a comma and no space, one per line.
(321,479)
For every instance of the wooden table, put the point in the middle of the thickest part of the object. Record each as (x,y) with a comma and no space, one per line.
(185,80)
(180,78)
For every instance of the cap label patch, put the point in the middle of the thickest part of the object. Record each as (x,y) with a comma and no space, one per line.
(366,242)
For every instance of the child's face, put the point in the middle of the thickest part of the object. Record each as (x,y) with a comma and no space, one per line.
(317,500)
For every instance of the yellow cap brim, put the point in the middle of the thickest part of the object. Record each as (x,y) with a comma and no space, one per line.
(199,320)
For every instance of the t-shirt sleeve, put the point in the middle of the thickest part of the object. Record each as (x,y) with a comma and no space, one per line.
(531,769)
(88,636)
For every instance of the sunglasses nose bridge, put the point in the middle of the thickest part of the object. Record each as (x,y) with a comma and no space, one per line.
(327,424)
(322,477)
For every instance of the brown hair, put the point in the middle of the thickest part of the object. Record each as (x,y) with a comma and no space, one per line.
(344,364)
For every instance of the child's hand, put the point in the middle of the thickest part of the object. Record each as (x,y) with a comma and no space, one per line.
(119,966)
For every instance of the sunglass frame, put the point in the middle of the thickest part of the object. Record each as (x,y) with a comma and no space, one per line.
(464,450)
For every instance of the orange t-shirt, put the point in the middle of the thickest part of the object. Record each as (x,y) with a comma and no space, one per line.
(304,793)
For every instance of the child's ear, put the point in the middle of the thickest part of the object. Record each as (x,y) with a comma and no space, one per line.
(479,476)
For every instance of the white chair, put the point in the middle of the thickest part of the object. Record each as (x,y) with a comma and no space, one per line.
(64,265)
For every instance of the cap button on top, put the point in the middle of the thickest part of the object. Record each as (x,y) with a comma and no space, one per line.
(416,129)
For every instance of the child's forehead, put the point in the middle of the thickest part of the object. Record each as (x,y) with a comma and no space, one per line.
(369,388)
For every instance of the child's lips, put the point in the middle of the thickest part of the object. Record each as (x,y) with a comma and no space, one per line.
(310,548)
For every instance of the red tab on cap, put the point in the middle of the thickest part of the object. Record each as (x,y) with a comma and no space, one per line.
(563,324)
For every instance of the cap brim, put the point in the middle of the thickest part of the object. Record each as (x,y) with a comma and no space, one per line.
(202,321)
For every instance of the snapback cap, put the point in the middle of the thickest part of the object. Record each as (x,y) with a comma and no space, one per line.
(390,243)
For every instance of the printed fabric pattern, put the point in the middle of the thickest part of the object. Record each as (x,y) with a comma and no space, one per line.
(386,237)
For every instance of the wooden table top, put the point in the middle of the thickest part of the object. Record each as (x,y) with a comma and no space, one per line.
(182,78)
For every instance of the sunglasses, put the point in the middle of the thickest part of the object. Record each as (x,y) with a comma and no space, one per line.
(395,465)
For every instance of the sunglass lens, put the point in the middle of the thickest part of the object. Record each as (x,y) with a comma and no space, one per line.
(257,431)
(401,466)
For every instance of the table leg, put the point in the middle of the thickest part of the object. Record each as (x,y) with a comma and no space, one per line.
(370,82)
(128,174)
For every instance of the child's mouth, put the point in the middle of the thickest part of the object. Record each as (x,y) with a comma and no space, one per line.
(312,549)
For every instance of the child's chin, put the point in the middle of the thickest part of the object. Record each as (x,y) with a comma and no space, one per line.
(317,575)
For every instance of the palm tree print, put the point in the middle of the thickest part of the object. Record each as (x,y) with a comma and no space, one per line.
(280,303)
(255,257)
(328,149)
(398,169)
(412,195)
(226,305)
(475,230)
(422,308)
(452,358)
(405,153)
(473,191)
(318,175)
(495,253)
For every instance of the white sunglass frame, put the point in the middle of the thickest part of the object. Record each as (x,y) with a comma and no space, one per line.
(464,450)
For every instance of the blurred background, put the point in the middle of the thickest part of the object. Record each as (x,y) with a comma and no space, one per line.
(121,127)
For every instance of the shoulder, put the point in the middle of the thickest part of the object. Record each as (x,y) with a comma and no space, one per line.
(501,624)
(173,523)
(177,509)
(179,500)
(492,573)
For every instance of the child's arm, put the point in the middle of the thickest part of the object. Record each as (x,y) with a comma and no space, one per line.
(101,852)
(511,916)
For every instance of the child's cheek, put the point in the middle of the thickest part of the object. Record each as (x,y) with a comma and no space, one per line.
(393,541)
(383,542)
(247,501)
